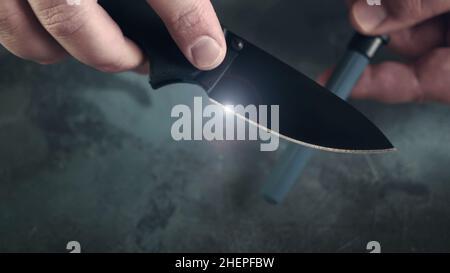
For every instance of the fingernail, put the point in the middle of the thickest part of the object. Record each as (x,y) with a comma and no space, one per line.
(368,17)
(206,53)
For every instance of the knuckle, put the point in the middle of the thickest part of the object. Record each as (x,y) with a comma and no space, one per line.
(188,19)
(9,23)
(408,9)
(61,20)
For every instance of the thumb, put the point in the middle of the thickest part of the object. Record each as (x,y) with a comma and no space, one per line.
(194,26)
(394,15)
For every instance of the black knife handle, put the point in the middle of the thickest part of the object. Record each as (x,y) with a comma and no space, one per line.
(141,24)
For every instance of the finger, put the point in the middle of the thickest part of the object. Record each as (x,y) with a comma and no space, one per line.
(418,40)
(390,83)
(194,26)
(425,80)
(392,16)
(323,78)
(88,33)
(23,36)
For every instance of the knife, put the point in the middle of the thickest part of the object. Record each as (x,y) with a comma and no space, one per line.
(309,115)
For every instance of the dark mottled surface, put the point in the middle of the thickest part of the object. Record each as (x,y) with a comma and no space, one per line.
(87,156)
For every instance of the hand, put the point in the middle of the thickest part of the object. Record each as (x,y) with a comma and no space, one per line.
(47,31)
(419,30)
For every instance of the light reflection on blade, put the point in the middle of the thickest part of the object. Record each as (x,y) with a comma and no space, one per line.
(228,109)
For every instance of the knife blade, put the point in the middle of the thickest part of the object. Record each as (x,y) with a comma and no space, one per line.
(288,168)
(309,115)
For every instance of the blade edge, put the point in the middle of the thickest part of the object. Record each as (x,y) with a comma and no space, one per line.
(305,144)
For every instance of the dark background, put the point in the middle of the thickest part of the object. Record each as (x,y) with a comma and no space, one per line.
(88,156)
